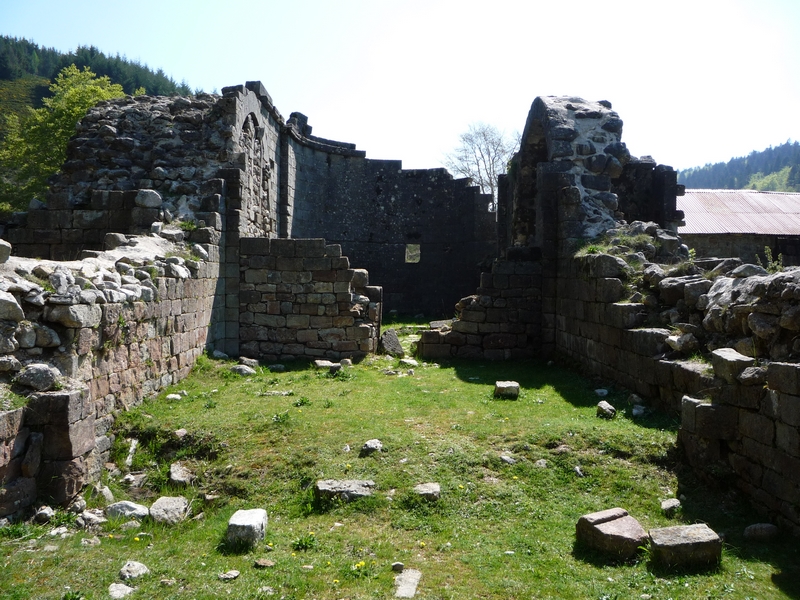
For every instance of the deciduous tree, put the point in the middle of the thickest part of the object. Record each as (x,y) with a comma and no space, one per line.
(482,155)
(35,145)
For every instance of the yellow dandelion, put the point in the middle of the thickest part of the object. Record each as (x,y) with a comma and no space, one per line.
(136,539)
(515,477)
(422,544)
(461,487)
(335,581)
(111,536)
(293,554)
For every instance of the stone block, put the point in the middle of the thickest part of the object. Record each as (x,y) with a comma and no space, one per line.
(346,490)
(506,389)
(436,351)
(169,510)
(16,495)
(247,527)
(685,546)
(728,364)
(74,316)
(783,377)
(756,426)
(254,246)
(717,421)
(62,480)
(59,407)
(10,424)
(613,532)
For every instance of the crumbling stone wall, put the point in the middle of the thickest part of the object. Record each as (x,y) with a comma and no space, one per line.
(223,168)
(85,339)
(628,303)
(301,299)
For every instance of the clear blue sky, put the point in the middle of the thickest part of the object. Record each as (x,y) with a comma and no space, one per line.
(695,81)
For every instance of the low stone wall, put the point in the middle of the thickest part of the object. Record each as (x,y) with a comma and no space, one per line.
(84,339)
(501,321)
(301,299)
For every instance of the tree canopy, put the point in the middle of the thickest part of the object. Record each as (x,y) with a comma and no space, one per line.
(35,146)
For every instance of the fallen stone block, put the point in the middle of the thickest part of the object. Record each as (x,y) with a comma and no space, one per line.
(613,532)
(428,491)
(728,363)
(169,509)
(126,510)
(346,490)
(247,527)
(405,583)
(390,344)
(605,410)
(761,532)
(685,546)
(508,390)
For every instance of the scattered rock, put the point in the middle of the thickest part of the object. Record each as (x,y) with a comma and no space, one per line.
(92,541)
(398,567)
(509,460)
(761,532)
(148,199)
(601,392)
(248,362)
(229,575)
(180,475)
(44,514)
(91,518)
(370,447)
(346,362)
(406,583)
(263,563)
(605,410)
(409,362)
(613,532)
(219,355)
(428,491)
(638,411)
(132,570)
(541,463)
(346,490)
(119,590)
(390,344)
(243,370)
(685,546)
(578,471)
(174,397)
(277,368)
(247,527)
(126,510)
(670,506)
(169,509)
(508,390)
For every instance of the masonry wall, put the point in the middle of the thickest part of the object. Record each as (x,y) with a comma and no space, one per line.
(301,299)
(108,347)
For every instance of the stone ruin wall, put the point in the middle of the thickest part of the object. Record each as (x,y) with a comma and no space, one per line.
(573,179)
(629,314)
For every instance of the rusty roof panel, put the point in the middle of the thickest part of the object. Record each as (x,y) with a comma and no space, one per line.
(740,211)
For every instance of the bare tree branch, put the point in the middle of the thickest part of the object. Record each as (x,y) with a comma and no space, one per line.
(482,155)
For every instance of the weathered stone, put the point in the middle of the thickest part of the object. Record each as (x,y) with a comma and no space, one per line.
(728,363)
(371,447)
(611,532)
(406,583)
(761,532)
(33,456)
(39,376)
(127,510)
(428,491)
(76,316)
(119,590)
(390,344)
(685,546)
(16,495)
(670,506)
(5,251)
(169,510)
(243,370)
(133,570)
(247,527)
(605,410)
(148,199)
(10,309)
(508,390)
(346,489)
(180,475)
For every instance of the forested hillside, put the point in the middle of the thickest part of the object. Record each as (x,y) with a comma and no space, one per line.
(20,58)
(773,169)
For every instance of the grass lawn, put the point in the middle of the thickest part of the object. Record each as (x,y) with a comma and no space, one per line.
(499,530)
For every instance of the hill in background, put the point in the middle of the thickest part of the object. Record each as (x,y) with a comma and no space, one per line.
(774,169)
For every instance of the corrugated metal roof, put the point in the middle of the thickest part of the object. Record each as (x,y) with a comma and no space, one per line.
(740,211)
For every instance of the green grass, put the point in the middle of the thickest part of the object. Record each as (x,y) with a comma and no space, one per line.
(255,449)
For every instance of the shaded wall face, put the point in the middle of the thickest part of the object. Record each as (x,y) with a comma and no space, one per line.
(420,234)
